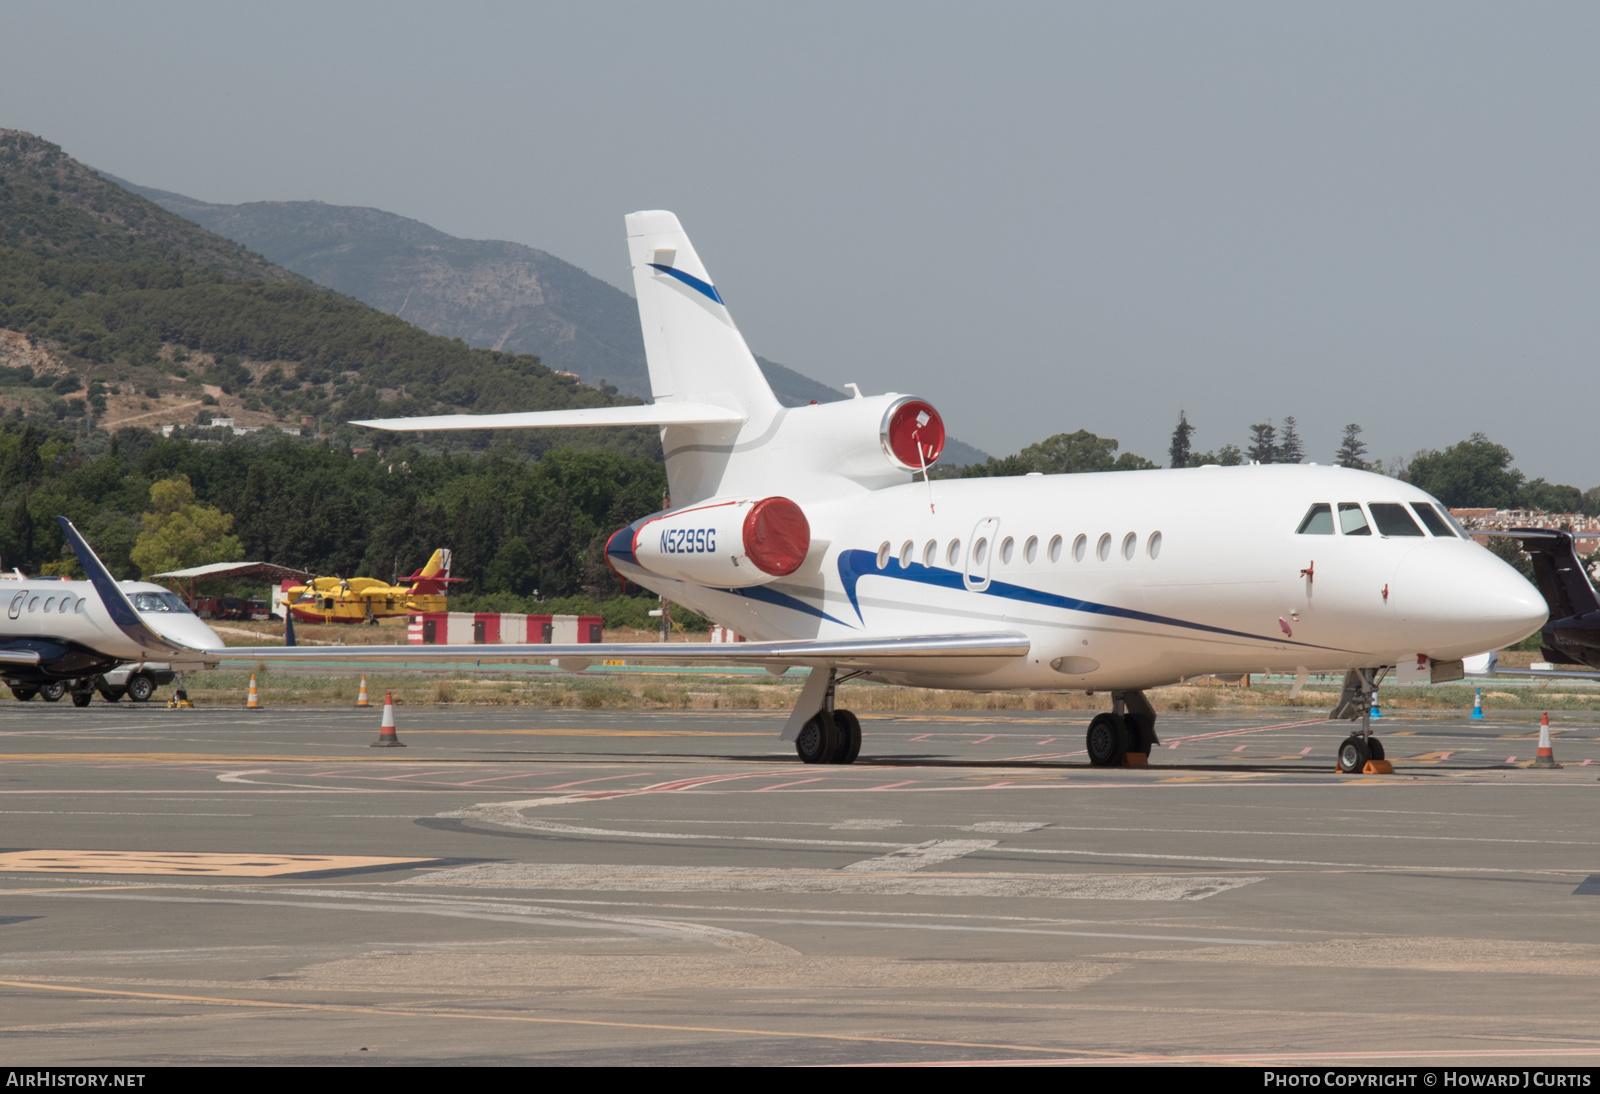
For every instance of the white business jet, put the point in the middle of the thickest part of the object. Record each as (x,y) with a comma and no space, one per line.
(57,636)
(816,532)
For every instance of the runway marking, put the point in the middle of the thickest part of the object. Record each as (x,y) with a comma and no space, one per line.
(1180,740)
(489,1016)
(595,732)
(797,782)
(755,879)
(983,740)
(915,856)
(186,863)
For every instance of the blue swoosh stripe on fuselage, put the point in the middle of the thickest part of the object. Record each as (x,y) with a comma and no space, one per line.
(783,600)
(854,565)
(705,288)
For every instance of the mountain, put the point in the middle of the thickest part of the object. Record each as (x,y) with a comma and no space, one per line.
(489,293)
(159,321)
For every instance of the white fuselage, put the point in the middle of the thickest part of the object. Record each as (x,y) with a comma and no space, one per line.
(69,615)
(1230,587)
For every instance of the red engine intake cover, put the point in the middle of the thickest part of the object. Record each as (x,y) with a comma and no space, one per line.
(914,434)
(776,536)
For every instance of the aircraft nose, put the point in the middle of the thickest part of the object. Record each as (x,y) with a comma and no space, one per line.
(185,629)
(1456,600)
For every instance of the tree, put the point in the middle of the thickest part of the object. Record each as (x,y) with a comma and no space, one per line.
(1290,450)
(1180,442)
(181,533)
(1552,498)
(1474,473)
(1263,443)
(1351,449)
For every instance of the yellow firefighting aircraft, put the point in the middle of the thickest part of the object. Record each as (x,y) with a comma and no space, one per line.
(367,599)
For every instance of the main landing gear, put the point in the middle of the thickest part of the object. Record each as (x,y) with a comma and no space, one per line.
(831,735)
(1359,749)
(1125,735)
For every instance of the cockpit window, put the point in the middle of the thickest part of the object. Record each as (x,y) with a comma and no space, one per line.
(175,602)
(1318,521)
(1392,519)
(1445,512)
(150,602)
(1352,522)
(1430,517)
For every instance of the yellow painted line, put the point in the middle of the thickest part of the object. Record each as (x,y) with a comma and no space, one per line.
(186,863)
(395,1012)
(595,732)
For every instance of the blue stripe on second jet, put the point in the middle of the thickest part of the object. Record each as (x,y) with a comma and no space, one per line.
(854,565)
(705,288)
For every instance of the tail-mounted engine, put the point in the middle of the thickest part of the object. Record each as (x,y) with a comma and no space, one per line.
(722,543)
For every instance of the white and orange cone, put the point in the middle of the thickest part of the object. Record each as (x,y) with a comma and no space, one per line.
(1547,754)
(386,734)
(252,701)
(361,699)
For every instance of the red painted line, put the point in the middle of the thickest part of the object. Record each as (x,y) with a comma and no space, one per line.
(780,786)
(667,788)
(1511,759)
(982,740)
(1305,752)
(1174,744)
(1585,763)
(580,782)
(1241,748)
(1048,740)
(890,786)
(924,737)
(1252,729)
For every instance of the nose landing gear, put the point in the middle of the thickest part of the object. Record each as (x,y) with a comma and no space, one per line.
(1360,753)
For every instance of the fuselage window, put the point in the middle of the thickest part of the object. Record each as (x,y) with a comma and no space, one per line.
(1055,548)
(1030,550)
(49,603)
(1154,547)
(1130,544)
(953,554)
(907,549)
(883,555)
(1080,547)
(980,550)
(77,609)
(1318,521)
(1392,519)
(16,603)
(66,602)
(1103,548)
(33,605)
(1352,521)
(930,553)
(1430,517)
(1008,547)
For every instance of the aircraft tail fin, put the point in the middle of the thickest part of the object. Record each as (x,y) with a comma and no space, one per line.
(432,578)
(695,352)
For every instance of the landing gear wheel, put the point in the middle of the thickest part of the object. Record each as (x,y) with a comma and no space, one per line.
(140,687)
(1353,755)
(81,698)
(53,691)
(1141,732)
(818,740)
(1107,740)
(113,695)
(1375,748)
(849,746)
(24,694)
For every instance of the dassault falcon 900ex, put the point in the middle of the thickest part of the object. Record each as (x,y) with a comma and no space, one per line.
(816,532)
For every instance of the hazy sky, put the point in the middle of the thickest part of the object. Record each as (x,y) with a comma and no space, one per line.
(1041,217)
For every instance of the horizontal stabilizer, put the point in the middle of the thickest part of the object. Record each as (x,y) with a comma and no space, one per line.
(655,414)
(955,654)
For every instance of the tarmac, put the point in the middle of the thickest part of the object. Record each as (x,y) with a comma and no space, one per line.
(563,887)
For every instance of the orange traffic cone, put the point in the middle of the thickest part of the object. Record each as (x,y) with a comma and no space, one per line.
(361,700)
(1547,754)
(252,701)
(386,734)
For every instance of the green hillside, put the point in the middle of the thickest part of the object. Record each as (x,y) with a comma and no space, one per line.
(147,314)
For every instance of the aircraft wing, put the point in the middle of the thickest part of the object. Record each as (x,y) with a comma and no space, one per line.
(653,414)
(956,654)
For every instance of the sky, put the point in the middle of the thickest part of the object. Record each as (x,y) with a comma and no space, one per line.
(1041,217)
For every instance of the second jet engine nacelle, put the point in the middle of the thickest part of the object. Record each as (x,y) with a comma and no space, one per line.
(722,543)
